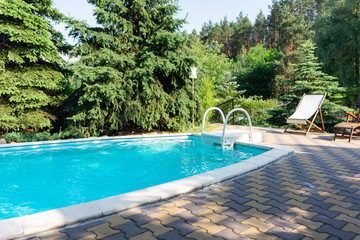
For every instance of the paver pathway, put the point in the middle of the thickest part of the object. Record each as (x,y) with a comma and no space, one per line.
(313,195)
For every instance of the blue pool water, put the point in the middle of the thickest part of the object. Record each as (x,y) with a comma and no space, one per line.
(36,178)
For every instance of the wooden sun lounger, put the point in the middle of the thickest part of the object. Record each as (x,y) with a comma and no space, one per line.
(353,127)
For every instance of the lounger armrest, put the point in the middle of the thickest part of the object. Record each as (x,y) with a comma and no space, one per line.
(348,115)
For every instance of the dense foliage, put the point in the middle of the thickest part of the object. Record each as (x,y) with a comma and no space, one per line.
(212,70)
(258,108)
(338,40)
(254,71)
(133,70)
(30,65)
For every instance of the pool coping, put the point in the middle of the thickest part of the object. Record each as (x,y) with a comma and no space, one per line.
(51,219)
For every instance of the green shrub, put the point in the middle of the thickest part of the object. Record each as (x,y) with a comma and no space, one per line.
(44,136)
(257,108)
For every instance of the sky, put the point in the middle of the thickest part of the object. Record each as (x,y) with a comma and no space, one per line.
(197,12)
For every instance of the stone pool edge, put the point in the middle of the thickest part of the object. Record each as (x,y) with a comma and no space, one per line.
(44,221)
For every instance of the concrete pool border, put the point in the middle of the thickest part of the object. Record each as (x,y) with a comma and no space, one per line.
(43,221)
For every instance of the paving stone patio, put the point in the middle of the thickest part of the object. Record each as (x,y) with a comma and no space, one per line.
(313,195)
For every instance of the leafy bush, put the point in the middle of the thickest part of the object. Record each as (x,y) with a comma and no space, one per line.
(44,136)
(254,71)
(257,108)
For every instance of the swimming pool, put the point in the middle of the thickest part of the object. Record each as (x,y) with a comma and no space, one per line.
(43,177)
(53,175)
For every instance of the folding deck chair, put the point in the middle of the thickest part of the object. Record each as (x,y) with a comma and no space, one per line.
(309,105)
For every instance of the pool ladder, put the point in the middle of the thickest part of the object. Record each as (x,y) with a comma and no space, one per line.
(223,141)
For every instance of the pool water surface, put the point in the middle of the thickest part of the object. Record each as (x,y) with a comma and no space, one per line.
(36,178)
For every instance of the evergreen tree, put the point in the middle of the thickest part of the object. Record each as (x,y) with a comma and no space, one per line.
(338,38)
(294,26)
(30,64)
(226,36)
(307,78)
(273,24)
(133,69)
(242,34)
(259,30)
(231,35)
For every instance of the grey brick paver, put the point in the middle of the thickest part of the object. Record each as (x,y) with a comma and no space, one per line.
(237,207)
(183,227)
(173,235)
(331,221)
(75,232)
(236,198)
(130,229)
(197,200)
(103,230)
(347,218)
(194,208)
(144,236)
(202,235)
(336,232)
(288,226)
(320,204)
(351,213)
(351,228)
(140,218)
(188,216)
(258,206)
(119,236)
(228,235)
(281,206)
(277,197)
(238,216)
(280,232)
(53,235)
(260,215)
(277,212)
(327,213)
(157,228)
(234,225)
(93,223)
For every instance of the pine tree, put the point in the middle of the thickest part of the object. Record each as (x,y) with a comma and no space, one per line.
(133,69)
(259,31)
(273,24)
(30,64)
(294,25)
(307,78)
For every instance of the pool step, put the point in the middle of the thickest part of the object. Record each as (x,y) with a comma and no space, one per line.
(214,138)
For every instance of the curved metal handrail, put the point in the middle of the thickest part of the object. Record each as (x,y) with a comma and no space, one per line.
(207,111)
(227,117)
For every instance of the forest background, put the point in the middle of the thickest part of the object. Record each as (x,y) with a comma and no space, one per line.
(133,69)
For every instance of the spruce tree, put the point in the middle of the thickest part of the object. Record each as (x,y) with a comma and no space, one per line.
(133,70)
(30,64)
(307,78)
